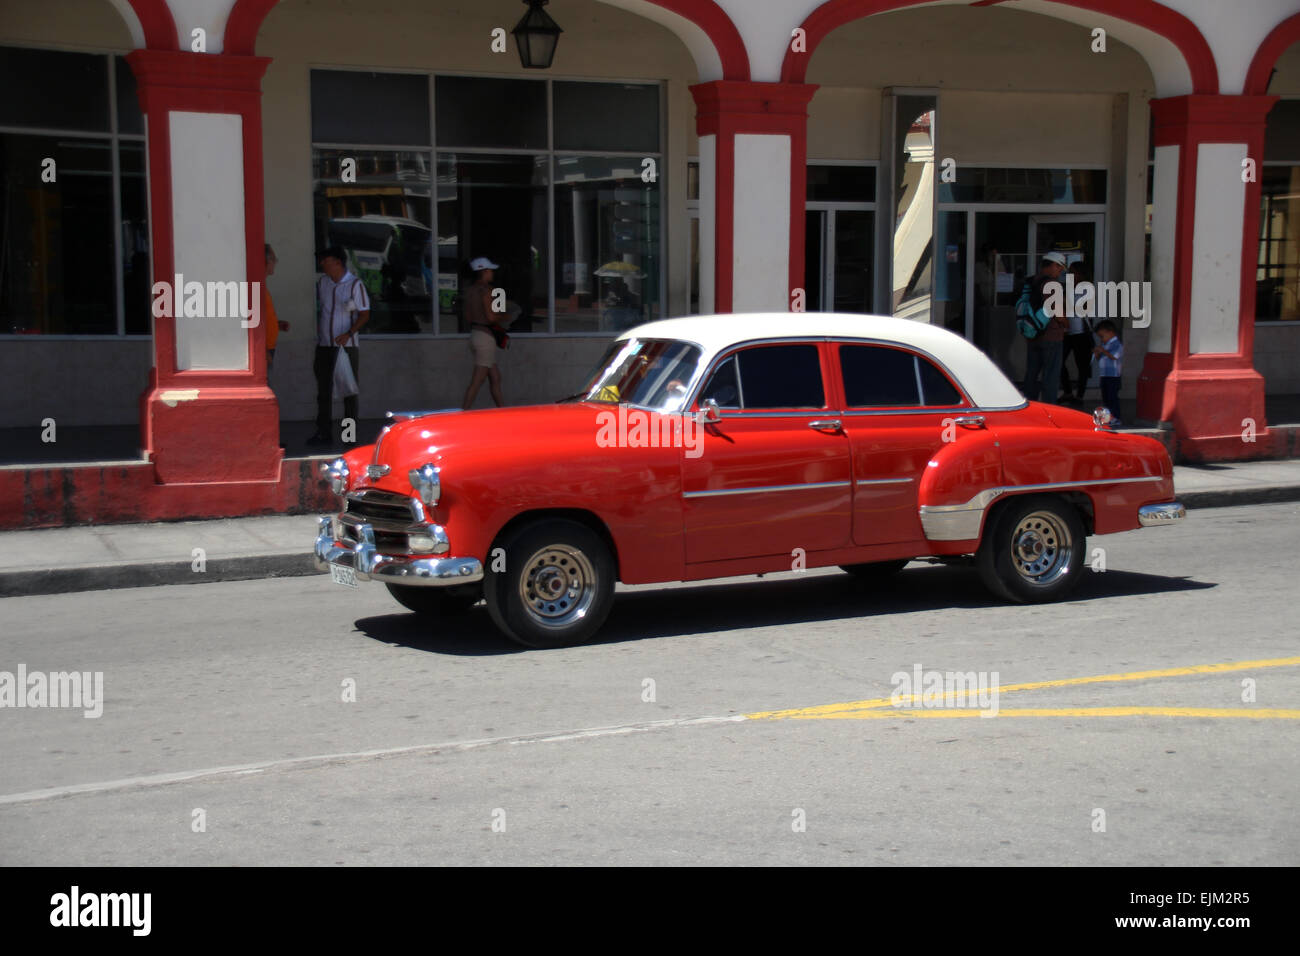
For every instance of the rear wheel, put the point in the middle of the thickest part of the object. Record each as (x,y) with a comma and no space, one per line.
(1033,550)
(436,601)
(557,587)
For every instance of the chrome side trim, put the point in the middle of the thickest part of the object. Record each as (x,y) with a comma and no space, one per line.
(883,481)
(962,522)
(945,410)
(765,489)
(1156,516)
(407,416)
(370,565)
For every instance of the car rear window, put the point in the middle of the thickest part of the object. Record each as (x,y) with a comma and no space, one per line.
(879,377)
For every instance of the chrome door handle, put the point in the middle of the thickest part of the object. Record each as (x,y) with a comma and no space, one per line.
(970,421)
(826,425)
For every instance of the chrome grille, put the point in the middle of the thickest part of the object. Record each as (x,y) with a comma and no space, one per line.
(384,510)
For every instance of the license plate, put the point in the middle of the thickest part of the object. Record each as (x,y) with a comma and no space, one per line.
(342,575)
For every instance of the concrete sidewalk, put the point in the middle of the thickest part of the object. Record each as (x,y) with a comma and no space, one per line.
(59,560)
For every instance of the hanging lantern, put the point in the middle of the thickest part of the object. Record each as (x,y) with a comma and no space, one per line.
(537,35)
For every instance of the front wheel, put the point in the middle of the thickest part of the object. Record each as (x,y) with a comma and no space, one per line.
(557,587)
(1033,550)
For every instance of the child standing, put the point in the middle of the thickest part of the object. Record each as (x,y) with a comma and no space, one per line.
(1110,356)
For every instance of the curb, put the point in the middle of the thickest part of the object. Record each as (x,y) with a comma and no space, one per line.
(101,577)
(254,567)
(1263,494)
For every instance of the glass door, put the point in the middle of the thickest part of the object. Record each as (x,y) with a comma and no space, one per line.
(839,257)
(1076,236)
(1079,238)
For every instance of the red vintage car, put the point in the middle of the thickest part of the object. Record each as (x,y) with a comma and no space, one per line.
(738,444)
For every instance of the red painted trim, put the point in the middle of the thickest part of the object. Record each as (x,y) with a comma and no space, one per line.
(52,497)
(157,23)
(1275,44)
(229,432)
(1148,14)
(242,25)
(1189,122)
(246,19)
(727,108)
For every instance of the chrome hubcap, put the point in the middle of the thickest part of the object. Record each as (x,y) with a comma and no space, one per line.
(558,586)
(1041,548)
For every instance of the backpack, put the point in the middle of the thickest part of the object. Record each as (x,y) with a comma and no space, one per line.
(1031,322)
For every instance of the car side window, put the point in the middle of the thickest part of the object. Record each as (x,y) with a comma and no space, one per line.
(879,377)
(935,387)
(723,387)
(781,376)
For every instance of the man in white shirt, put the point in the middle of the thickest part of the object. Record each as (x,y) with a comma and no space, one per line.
(343,308)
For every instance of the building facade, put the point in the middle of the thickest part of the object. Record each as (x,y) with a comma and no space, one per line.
(677,156)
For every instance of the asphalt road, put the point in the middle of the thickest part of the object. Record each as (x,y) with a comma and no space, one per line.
(461,748)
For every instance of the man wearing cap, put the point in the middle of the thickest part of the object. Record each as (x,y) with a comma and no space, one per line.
(482,343)
(1043,363)
(344,308)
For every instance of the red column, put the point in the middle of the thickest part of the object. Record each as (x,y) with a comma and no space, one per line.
(726,108)
(1207,395)
(205,426)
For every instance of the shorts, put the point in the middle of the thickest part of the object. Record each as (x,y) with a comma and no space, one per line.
(484,348)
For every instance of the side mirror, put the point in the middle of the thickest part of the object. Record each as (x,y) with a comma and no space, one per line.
(708,413)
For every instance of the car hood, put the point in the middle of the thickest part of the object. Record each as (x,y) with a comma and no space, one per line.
(490,441)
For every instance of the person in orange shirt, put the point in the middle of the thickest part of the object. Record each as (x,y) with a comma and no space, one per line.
(273,326)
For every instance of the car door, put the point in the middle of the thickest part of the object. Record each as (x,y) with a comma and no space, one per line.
(899,409)
(773,474)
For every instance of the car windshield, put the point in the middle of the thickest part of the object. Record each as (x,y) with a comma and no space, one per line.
(653,373)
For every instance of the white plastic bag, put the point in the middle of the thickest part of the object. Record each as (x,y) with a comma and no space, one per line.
(345,383)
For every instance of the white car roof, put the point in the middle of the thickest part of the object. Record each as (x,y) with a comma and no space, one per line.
(973,370)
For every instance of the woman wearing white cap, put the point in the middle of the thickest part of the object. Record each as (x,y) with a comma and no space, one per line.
(482,343)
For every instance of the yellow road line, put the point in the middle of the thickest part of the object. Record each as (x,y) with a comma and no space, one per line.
(1262,713)
(830,710)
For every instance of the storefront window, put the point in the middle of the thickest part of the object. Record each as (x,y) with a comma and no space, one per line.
(494,206)
(1277,282)
(503,151)
(375,204)
(975,184)
(606,234)
(629,117)
(490,113)
(57,279)
(70,263)
(371,109)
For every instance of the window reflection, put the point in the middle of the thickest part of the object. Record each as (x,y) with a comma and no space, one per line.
(382,221)
(607,244)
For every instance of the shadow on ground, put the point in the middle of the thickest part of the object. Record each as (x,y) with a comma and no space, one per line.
(782,601)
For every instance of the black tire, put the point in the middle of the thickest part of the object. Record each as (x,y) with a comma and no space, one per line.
(1033,550)
(875,570)
(557,587)
(436,601)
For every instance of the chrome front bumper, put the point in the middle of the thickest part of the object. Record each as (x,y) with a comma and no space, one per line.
(1156,516)
(363,558)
